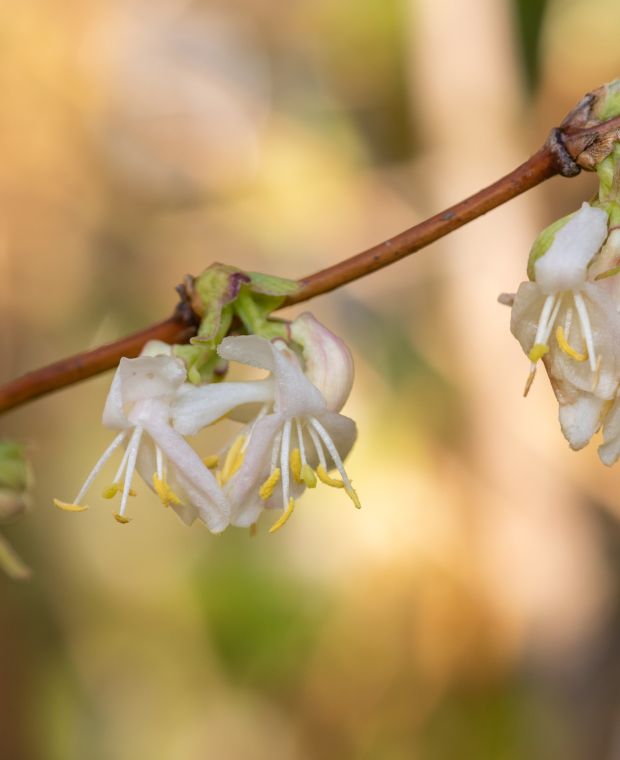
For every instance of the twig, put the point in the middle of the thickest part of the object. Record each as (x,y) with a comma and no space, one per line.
(563,153)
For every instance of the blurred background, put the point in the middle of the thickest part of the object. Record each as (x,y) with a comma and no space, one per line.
(472,608)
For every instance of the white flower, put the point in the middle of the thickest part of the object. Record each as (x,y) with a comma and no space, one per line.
(138,405)
(571,322)
(293,435)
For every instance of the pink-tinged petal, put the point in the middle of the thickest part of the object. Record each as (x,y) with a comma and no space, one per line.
(197,407)
(329,364)
(582,419)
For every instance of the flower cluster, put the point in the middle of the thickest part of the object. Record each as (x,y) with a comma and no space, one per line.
(568,317)
(292,436)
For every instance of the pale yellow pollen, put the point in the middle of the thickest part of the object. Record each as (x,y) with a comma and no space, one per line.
(67,507)
(566,347)
(111,491)
(266,490)
(308,476)
(328,480)
(295,463)
(283,517)
(234,459)
(537,351)
(164,491)
(211,461)
(121,518)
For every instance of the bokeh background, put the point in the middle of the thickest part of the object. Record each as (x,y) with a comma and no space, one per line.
(472,608)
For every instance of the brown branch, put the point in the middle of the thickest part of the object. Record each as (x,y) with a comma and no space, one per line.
(563,153)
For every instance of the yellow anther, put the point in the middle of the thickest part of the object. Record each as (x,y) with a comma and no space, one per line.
(121,518)
(253,530)
(352,494)
(111,491)
(325,478)
(69,507)
(283,517)
(234,459)
(308,476)
(211,461)
(295,463)
(266,490)
(166,494)
(537,351)
(566,347)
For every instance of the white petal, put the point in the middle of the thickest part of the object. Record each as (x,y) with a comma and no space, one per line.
(609,451)
(197,407)
(329,364)
(563,266)
(295,394)
(525,313)
(248,349)
(581,419)
(198,481)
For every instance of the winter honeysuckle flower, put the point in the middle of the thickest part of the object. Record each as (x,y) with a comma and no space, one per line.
(138,405)
(555,316)
(293,435)
(569,319)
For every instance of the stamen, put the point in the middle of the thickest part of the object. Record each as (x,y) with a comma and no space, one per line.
(99,465)
(530,379)
(121,518)
(234,458)
(325,478)
(160,462)
(122,466)
(295,463)
(66,507)
(568,322)
(275,450)
(253,530)
(308,476)
(333,452)
(111,491)
(537,352)
(318,447)
(132,448)
(544,319)
(284,461)
(608,273)
(267,488)
(566,347)
(211,461)
(586,329)
(167,496)
(283,519)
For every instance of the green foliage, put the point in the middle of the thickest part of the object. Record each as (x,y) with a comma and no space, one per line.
(263,624)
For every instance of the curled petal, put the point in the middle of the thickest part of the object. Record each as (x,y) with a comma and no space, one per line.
(329,364)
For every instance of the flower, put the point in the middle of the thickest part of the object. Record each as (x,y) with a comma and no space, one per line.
(293,434)
(568,318)
(138,405)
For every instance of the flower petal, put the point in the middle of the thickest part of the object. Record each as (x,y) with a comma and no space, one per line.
(329,364)
(581,420)
(198,406)
(563,266)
